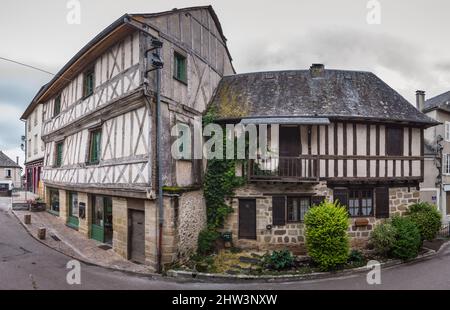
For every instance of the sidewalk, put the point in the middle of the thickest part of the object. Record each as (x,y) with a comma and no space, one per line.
(70,242)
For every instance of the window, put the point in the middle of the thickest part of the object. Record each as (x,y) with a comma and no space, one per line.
(359,202)
(94,147)
(8,173)
(73,220)
(29,148)
(446,163)
(54,201)
(292,209)
(297,208)
(180,68)
(57,106)
(35,150)
(394,141)
(58,154)
(88,82)
(447,131)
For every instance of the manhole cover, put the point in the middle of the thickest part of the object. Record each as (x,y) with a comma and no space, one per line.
(104,247)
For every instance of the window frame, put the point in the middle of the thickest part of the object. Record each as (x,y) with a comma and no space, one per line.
(390,144)
(57,103)
(183,76)
(299,200)
(8,173)
(360,197)
(446,164)
(447,131)
(58,164)
(92,132)
(88,72)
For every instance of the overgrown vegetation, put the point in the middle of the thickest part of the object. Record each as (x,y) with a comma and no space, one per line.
(326,235)
(383,238)
(427,219)
(220,183)
(278,260)
(407,238)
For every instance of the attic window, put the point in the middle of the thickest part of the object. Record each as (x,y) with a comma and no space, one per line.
(57,106)
(88,82)
(180,68)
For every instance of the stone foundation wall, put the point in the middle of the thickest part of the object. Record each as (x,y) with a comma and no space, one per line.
(120,226)
(292,235)
(192,219)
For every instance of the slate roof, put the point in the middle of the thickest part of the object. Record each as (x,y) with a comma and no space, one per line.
(441,102)
(336,94)
(5,161)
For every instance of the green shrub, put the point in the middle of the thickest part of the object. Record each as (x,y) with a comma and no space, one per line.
(206,241)
(383,237)
(278,260)
(427,218)
(326,235)
(356,258)
(407,238)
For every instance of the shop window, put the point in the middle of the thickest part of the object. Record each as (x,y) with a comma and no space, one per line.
(54,201)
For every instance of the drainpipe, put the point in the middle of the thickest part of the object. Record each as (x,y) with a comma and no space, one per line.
(159,161)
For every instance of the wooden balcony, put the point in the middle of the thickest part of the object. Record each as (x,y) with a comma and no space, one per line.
(285,169)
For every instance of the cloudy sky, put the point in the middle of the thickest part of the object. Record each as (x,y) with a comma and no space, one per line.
(408,49)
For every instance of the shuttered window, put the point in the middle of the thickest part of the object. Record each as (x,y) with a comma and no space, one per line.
(57,106)
(279,211)
(88,82)
(180,67)
(394,141)
(58,154)
(382,202)
(94,148)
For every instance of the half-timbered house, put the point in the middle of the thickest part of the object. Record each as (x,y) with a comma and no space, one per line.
(343,135)
(99,129)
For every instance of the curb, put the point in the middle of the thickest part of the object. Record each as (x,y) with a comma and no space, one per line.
(221,278)
(85,261)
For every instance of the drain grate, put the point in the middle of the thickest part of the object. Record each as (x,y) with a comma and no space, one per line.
(55,238)
(104,247)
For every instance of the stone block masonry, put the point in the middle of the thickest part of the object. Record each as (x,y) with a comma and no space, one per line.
(292,235)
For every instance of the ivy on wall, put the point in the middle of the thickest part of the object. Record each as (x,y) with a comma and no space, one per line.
(220,183)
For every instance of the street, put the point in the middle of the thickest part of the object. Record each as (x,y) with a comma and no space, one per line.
(28,264)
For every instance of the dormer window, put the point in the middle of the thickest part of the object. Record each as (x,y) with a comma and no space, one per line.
(57,106)
(88,82)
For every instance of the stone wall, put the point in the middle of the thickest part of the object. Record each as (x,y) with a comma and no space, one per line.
(120,226)
(192,219)
(63,205)
(292,235)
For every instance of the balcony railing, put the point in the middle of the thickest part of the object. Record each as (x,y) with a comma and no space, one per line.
(305,168)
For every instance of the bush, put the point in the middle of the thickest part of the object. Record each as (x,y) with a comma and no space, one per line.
(382,238)
(407,238)
(356,258)
(206,241)
(326,235)
(278,260)
(427,218)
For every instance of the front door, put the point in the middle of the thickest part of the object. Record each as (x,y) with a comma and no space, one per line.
(137,235)
(101,227)
(72,220)
(247,219)
(289,149)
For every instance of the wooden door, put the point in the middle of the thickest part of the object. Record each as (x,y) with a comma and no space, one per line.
(289,149)
(247,219)
(137,236)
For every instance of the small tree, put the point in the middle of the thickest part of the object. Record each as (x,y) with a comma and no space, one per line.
(407,238)
(327,240)
(383,238)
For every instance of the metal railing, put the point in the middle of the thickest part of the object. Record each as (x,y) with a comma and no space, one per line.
(285,168)
(444,232)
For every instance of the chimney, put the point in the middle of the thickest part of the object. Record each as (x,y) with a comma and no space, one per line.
(420,100)
(17,159)
(317,70)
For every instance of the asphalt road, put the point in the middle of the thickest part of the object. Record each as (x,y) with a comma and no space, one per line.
(27,264)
